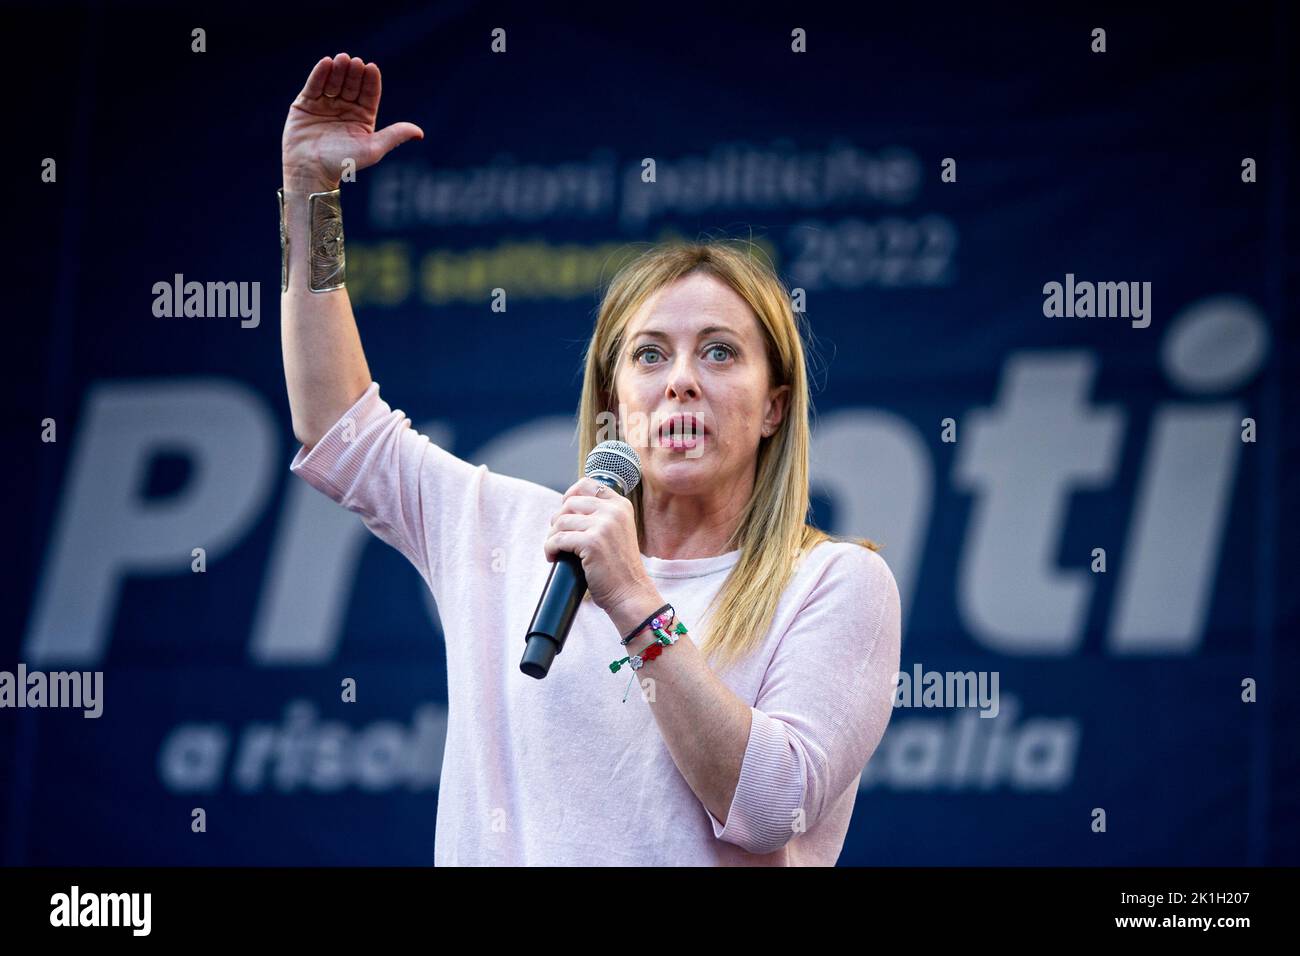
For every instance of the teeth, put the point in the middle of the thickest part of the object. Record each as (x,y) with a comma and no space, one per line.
(684,428)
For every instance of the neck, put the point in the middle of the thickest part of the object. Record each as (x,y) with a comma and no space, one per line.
(689,526)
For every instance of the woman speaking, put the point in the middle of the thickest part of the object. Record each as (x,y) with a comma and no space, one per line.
(763,650)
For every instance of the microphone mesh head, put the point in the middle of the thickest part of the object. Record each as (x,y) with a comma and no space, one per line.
(617,460)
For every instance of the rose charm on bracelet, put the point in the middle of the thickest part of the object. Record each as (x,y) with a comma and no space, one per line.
(648,653)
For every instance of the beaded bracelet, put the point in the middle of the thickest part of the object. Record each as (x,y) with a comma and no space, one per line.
(649,652)
(653,622)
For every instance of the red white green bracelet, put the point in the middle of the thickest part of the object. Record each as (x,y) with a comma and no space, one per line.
(663,638)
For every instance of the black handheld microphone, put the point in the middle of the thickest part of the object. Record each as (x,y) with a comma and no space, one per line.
(614,464)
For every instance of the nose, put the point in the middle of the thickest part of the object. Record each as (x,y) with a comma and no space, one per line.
(681,382)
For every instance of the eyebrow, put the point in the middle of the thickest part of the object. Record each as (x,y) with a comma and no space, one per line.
(707,330)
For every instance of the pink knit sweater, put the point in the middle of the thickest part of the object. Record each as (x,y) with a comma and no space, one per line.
(561,771)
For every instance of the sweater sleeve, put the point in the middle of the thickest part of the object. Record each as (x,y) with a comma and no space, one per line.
(823,705)
(439,511)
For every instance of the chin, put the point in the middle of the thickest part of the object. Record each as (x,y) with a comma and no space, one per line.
(682,477)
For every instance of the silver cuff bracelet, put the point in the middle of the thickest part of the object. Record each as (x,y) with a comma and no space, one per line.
(325,242)
(327,260)
(284,245)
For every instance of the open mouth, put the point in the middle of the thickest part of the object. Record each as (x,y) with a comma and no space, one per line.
(682,431)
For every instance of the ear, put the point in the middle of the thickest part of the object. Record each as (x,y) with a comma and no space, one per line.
(775,411)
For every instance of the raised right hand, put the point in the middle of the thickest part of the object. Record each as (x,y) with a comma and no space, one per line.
(333,119)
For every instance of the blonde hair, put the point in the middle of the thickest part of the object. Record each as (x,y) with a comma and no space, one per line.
(773,531)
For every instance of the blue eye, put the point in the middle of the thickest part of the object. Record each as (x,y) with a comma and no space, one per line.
(726,350)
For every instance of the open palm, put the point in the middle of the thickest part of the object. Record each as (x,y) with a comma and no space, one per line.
(333,120)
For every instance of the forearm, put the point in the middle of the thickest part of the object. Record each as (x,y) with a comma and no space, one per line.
(325,367)
(703,723)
